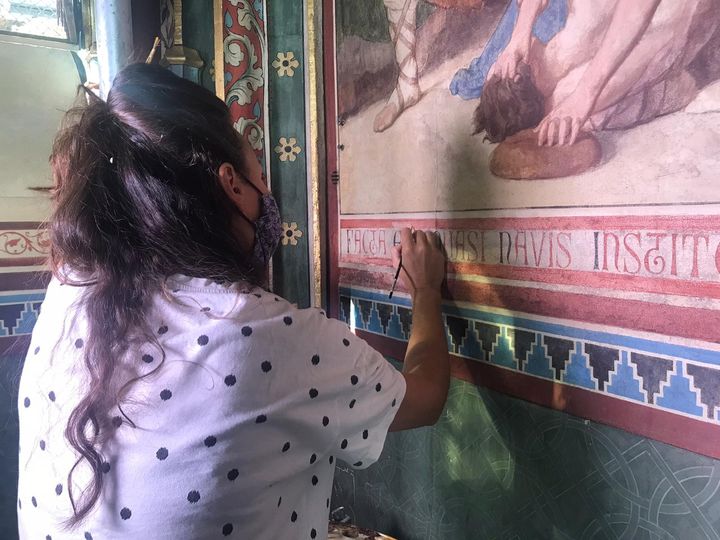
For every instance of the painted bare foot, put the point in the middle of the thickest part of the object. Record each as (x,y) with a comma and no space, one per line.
(396,104)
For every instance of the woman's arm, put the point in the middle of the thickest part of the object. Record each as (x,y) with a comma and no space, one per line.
(426,368)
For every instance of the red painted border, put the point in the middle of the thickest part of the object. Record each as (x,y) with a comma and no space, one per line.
(332,222)
(23,281)
(23,261)
(582,278)
(663,319)
(695,223)
(21,225)
(674,429)
(14,345)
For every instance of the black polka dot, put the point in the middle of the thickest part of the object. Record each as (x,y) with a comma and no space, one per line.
(165,394)
(79,343)
(277,299)
(230,380)
(293,516)
(346,342)
(365,434)
(42,445)
(88,536)
(331,460)
(352,403)
(378,387)
(51,395)
(37,350)
(147,358)
(33,500)
(26,402)
(19,504)
(394,402)
(261,419)
(287,320)
(257,295)
(344,444)
(286,446)
(246,331)
(354,380)
(266,366)
(162,453)
(227,529)
(315,360)
(193,496)
(279,502)
(327,503)
(203,340)
(233,474)
(205,309)
(125,513)
(357,464)
(313,533)
(326,421)
(314,480)
(162,330)
(58,489)
(117,421)
(105,467)
(313,393)
(210,441)
(313,459)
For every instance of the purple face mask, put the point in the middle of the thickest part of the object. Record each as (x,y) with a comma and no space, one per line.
(268,230)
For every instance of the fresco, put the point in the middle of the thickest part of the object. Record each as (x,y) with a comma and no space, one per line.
(568,154)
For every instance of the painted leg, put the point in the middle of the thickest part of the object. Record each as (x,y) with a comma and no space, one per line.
(402,15)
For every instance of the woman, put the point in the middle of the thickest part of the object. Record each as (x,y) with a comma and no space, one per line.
(166,394)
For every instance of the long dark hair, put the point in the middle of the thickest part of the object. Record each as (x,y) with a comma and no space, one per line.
(136,199)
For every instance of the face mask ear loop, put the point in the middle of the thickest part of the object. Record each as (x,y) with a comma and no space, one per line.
(237,191)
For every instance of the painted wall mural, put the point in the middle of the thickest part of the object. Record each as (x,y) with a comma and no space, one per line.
(244,51)
(567,152)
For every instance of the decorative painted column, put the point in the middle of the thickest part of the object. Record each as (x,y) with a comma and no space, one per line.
(256,65)
(244,47)
(113,20)
(288,147)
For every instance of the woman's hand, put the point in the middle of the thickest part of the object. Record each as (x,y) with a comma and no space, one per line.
(423,260)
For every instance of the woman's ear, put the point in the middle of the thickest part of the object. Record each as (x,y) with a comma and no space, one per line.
(243,194)
(231,183)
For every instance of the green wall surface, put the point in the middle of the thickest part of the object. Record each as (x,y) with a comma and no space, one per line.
(495,467)
(199,34)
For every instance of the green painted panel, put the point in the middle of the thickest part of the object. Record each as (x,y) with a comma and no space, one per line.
(498,467)
(198,34)
(288,149)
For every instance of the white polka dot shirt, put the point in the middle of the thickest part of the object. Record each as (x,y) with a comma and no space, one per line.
(234,434)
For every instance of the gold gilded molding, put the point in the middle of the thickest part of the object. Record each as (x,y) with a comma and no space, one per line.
(313,84)
(219,28)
